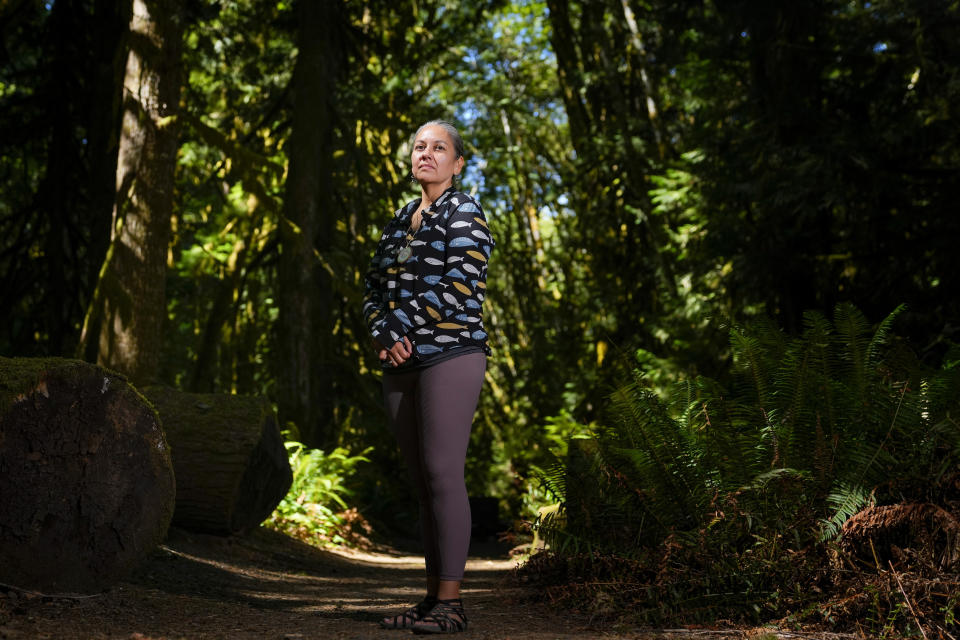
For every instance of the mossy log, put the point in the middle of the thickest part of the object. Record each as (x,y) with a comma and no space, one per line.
(86,481)
(228,455)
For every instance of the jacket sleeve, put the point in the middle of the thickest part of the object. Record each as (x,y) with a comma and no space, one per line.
(461,288)
(373,305)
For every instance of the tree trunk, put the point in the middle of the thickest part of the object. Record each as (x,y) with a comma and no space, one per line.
(80,159)
(306,297)
(111,21)
(564,41)
(648,88)
(231,466)
(60,190)
(86,483)
(130,300)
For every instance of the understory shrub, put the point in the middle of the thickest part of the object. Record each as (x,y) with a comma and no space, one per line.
(315,508)
(735,500)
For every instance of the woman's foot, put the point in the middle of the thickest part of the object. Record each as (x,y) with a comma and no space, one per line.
(446,616)
(411,616)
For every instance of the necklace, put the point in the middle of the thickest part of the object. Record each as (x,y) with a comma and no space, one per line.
(406,252)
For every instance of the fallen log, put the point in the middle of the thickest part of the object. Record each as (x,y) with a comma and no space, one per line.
(228,455)
(86,482)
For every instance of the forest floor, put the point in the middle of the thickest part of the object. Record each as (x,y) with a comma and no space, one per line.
(268,585)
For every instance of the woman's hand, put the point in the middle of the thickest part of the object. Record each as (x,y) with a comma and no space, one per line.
(399,353)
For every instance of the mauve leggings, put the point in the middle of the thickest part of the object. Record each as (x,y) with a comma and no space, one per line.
(430,411)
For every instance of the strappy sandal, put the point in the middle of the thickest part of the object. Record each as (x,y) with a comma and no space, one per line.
(411,616)
(447,616)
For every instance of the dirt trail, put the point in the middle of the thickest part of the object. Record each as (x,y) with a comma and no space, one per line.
(266,585)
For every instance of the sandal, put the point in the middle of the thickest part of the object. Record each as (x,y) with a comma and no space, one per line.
(446,616)
(411,616)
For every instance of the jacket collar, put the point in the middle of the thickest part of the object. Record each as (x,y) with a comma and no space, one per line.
(439,201)
(407,211)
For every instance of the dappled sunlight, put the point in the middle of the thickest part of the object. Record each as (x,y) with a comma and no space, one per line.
(365,557)
(695,398)
(413,562)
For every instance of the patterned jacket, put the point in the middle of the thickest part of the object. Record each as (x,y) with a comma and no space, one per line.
(435,296)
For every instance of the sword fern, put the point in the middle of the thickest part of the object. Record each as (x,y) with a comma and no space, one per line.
(810,424)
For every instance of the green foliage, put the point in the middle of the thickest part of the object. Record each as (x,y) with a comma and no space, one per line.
(312,508)
(741,484)
(231,165)
(644,180)
(545,482)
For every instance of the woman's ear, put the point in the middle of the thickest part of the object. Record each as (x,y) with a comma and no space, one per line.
(458,166)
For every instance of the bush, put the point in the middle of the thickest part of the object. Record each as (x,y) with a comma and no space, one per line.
(315,509)
(727,500)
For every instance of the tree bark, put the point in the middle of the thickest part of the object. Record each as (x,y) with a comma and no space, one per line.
(568,73)
(231,466)
(130,300)
(306,297)
(85,64)
(60,188)
(86,482)
(111,21)
(648,88)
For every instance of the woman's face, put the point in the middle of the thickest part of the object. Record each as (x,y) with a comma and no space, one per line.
(434,159)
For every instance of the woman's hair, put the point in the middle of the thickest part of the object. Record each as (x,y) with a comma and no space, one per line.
(451,131)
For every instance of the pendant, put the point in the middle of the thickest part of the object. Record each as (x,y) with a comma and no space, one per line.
(404,254)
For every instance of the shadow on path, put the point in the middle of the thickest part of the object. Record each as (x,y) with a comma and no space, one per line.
(267,585)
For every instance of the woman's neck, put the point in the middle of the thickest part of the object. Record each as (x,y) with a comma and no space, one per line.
(429,193)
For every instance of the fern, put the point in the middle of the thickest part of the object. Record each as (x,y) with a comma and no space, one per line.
(944,439)
(653,450)
(809,424)
(851,333)
(748,354)
(793,413)
(846,500)
(720,493)
(317,493)
(881,336)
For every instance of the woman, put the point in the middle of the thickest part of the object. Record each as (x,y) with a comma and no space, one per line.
(423,301)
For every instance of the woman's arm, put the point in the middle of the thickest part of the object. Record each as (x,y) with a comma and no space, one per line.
(373,306)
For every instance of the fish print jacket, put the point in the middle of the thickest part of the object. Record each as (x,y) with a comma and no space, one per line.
(435,296)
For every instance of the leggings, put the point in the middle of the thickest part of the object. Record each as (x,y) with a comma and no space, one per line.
(430,411)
